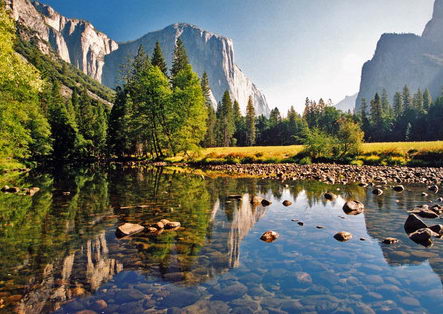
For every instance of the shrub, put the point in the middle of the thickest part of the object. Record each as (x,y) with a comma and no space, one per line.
(306,161)
(357,162)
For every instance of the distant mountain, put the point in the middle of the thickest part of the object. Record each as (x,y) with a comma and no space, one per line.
(93,52)
(400,59)
(207,52)
(348,103)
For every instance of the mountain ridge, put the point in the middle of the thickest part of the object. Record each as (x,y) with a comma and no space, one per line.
(78,42)
(406,59)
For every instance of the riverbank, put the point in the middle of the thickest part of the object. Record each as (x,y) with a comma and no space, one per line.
(415,154)
(335,173)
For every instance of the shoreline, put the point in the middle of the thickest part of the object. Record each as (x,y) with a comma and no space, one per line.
(335,173)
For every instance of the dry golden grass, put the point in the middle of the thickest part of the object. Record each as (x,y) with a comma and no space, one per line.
(282,152)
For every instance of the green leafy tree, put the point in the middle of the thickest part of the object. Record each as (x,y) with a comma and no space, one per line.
(24,130)
(189,112)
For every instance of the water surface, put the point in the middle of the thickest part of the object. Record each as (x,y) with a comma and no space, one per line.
(59,252)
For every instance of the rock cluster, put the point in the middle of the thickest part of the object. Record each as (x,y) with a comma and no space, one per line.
(337,174)
(420,233)
(25,191)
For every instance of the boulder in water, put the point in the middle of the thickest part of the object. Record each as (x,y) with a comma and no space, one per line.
(269,236)
(413,223)
(343,236)
(128,229)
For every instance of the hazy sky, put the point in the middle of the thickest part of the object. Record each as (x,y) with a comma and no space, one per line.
(291,49)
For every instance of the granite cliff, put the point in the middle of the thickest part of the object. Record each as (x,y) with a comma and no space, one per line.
(406,59)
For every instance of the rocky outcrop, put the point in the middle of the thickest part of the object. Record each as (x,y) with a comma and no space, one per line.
(207,52)
(75,41)
(406,59)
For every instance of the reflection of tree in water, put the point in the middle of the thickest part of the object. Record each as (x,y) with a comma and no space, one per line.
(79,272)
(42,234)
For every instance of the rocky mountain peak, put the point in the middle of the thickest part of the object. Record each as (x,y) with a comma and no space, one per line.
(434,29)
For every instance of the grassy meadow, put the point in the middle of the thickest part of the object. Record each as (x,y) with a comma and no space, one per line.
(394,153)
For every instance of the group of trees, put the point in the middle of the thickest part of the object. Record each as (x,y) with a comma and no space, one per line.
(154,114)
(408,118)
(36,121)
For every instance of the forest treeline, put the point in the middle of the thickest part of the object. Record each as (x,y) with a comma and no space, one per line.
(48,111)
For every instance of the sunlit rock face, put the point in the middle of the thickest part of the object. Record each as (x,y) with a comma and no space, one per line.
(207,52)
(75,41)
(79,43)
(406,59)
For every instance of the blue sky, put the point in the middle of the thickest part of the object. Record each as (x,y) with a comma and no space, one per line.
(291,49)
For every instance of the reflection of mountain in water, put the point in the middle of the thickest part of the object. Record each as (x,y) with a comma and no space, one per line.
(80,271)
(387,220)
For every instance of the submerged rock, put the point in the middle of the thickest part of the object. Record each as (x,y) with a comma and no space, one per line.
(398,188)
(158,225)
(343,236)
(390,241)
(172,225)
(424,213)
(423,236)
(437,229)
(330,196)
(269,236)
(128,229)
(353,207)
(377,192)
(413,223)
(287,203)
(433,188)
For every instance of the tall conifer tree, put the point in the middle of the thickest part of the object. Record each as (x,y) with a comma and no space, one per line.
(158,59)
(250,123)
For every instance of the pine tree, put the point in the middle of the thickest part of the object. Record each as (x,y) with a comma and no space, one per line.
(118,135)
(427,100)
(250,123)
(386,106)
(376,111)
(225,121)
(158,59)
(407,101)
(398,105)
(180,60)
(210,137)
(418,101)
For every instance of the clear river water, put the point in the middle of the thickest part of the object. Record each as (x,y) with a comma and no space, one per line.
(59,252)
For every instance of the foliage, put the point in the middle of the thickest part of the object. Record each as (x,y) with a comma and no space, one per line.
(24,131)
